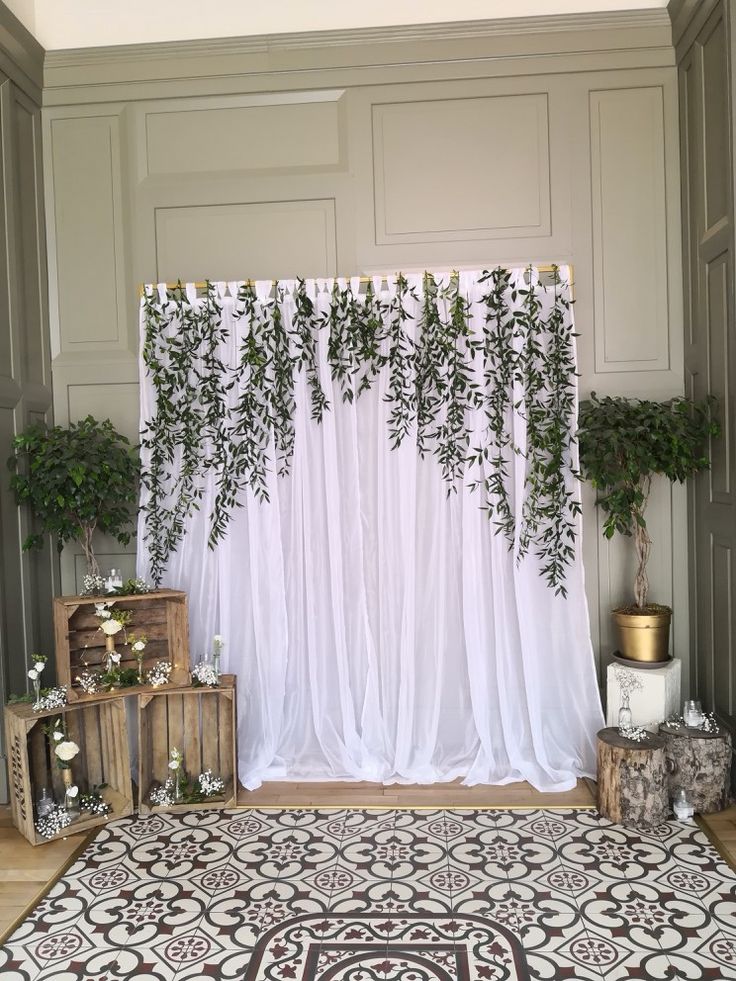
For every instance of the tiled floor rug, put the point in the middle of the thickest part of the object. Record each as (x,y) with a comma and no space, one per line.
(383,896)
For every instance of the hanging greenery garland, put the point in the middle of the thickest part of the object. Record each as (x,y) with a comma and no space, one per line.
(458,391)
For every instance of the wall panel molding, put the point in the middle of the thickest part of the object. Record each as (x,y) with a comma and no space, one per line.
(419,173)
(256,240)
(516,46)
(630,234)
(287,133)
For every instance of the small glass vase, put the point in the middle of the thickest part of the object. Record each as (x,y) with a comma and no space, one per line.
(216,662)
(111,668)
(625,718)
(36,693)
(177,785)
(71,802)
(140,670)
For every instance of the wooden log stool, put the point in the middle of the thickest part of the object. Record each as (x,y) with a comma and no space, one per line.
(632,779)
(699,763)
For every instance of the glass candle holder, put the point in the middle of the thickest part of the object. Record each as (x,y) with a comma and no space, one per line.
(681,805)
(692,713)
(45,803)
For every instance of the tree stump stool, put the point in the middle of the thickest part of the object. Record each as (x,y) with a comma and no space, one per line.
(632,779)
(700,763)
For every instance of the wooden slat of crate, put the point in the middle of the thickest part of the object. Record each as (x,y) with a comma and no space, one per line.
(103,723)
(161,616)
(201,723)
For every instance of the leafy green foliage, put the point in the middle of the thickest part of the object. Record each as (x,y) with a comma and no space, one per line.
(442,376)
(75,480)
(625,442)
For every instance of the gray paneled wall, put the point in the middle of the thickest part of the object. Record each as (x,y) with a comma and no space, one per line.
(557,140)
(27,581)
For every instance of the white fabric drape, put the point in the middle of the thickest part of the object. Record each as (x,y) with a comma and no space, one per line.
(378,629)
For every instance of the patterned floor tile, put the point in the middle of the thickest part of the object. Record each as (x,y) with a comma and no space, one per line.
(16,964)
(111,964)
(255,895)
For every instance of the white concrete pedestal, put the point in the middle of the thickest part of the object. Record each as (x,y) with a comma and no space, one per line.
(658,699)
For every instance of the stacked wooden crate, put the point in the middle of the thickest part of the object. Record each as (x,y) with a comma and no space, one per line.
(80,644)
(198,721)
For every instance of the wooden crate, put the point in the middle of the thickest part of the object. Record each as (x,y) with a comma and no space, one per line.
(200,723)
(100,731)
(161,616)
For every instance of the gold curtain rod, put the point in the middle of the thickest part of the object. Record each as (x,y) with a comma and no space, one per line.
(363,279)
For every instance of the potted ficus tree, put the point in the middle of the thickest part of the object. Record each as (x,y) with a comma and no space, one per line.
(76,480)
(624,443)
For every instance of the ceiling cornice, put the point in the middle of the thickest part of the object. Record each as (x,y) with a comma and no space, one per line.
(656,18)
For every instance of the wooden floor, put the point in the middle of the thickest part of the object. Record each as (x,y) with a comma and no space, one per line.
(330,794)
(721,829)
(25,871)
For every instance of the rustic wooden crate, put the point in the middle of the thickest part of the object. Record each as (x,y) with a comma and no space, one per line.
(201,723)
(161,616)
(100,731)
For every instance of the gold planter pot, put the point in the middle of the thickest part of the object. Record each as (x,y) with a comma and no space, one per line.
(644,636)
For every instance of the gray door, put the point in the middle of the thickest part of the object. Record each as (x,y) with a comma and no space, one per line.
(710,351)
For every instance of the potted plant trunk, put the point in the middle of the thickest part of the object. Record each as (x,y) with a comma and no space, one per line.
(624,443)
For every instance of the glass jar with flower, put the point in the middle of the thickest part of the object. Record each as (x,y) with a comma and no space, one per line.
(64,751)
(217,644)
(176,765)
(138,647)
(38,664)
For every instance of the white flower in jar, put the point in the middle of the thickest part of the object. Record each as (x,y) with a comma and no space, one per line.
(111,627)
(67,750)
(139,646)
(33,674)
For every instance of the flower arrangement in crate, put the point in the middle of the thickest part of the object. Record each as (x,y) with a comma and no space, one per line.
(206,674)
(53,817)
(44,698)
(113,621)
(180,789)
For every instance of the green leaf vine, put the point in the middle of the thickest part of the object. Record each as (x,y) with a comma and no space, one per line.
(456,391)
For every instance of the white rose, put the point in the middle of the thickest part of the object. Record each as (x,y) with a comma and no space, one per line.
(72,791)
(174,765)
(139,646)
(114,657)
(33,674)
(111,627)
(39,666)
(66,751)
(218,639)
(102,611)
(58,736)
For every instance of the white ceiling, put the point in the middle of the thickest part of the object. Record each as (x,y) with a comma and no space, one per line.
(94,23)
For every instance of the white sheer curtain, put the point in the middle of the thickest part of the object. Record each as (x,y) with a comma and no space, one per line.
(378,629)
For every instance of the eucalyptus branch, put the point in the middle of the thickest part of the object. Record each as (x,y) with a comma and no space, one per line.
(401,393)
(499,371)
(305,328)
